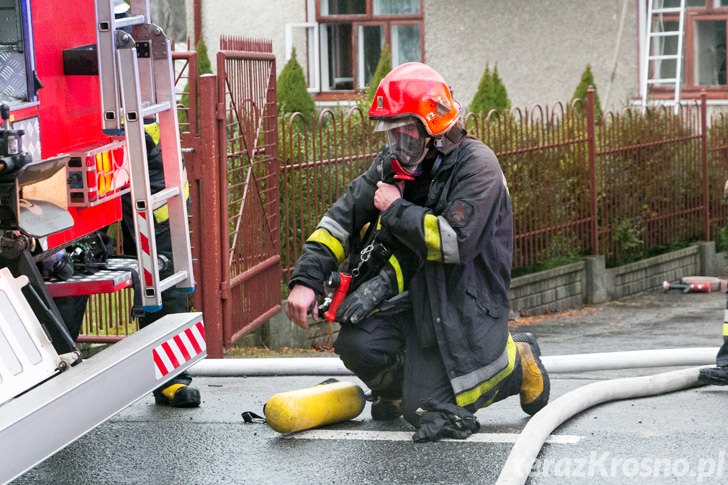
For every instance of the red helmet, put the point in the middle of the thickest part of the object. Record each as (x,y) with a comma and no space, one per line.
(415,89)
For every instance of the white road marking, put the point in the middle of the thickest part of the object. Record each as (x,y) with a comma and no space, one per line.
(321,434)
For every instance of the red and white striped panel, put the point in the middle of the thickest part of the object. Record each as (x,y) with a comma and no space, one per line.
(179,349)
(145,248)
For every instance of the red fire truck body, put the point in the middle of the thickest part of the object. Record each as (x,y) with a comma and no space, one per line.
(49,79)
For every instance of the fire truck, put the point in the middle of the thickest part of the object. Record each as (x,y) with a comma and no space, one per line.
(77,82)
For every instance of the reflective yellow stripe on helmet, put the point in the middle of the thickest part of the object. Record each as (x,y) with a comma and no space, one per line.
(472,395)
(432,238)
(324,237)
(398,272)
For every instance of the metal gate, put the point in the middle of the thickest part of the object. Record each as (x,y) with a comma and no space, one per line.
(248,177)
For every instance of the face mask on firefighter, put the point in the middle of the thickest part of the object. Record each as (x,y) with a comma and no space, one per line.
(408,142)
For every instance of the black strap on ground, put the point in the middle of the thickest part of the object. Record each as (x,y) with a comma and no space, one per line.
(251,418)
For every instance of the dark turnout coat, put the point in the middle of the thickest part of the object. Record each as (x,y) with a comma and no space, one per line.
(463,236)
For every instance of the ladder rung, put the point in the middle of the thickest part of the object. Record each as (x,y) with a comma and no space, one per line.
(172,280)
(665,33)
(663,57)
(665,81)
(666,10)
(161,197)
(130,21)
(155,108)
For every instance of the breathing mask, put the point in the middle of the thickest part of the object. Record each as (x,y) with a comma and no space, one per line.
(408,143)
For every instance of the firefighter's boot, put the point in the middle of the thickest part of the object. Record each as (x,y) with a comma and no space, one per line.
(386,409)
(535,386)
(717,376)
(178,393)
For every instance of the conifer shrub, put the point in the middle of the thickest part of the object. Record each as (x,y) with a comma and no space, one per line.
(384,65)
(293,95)
(491,94)
(587,79)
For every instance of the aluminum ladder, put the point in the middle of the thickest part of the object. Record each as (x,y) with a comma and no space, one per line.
(654,41)
(137,83)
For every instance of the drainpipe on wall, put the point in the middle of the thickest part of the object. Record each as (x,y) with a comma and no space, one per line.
(615,58)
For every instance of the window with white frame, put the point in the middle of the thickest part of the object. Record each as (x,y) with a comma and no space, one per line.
(704,48)
(341,49)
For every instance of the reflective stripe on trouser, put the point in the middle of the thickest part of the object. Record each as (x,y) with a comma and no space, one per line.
(425,377)
(482,386)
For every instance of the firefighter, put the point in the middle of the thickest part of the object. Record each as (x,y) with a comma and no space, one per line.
(178,392)
(439,342)
(718,375)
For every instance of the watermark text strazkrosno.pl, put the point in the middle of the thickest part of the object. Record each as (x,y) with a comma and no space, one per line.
(606,465)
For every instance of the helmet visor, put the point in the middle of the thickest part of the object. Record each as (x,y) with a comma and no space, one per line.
(408,142)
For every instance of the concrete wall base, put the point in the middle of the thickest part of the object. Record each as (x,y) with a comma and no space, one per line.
(570,286)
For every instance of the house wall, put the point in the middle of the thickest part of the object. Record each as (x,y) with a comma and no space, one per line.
(264,19)
(541,47)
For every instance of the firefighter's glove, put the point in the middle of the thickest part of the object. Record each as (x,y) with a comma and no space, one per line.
(442,420)
(717,376)
(360,303)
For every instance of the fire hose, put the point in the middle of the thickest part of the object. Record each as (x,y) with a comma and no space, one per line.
(332,366)
(539,427)
(520,461)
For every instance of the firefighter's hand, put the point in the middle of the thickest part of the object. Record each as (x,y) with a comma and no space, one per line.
(364,299)
(301,300)
(386,194)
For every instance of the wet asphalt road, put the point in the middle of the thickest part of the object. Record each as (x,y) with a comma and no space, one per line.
(675,438)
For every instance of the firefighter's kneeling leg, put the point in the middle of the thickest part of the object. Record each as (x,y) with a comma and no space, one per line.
(535,385)
(373,350)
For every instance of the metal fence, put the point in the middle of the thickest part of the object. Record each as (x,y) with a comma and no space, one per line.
(624,186)
(319,157)
(544,155)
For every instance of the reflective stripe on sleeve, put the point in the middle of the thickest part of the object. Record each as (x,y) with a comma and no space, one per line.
(725,329)
(449,241)
(153,130)
(432,238)
(441,240)
(324,237)
(161,214)
(335,229)
(398,272)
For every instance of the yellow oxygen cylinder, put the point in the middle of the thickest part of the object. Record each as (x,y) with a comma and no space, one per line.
(326,403)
